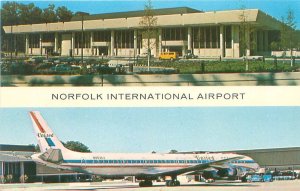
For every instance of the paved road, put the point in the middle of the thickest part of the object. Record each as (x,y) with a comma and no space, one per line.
(121,186)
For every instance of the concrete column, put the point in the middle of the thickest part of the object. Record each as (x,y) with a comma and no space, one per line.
(22,169)
(112,43)
(235,36)
(248,42)
(56,42)
(73,43)
(266,41)
(159,41)
(26,44)
(1,168)
(184,50)
(190,38)
(92,40)
(222,48)
(135,43)
(41,48)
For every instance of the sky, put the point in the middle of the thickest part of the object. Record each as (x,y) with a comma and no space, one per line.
(275,8)
(160,129)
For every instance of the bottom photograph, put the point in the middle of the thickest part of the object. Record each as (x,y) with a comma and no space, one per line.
(189,148)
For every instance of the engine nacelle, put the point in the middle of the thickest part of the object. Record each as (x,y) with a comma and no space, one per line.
(228,172)
(222,173)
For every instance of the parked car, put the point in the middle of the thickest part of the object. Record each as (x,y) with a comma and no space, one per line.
(61,68)
(267,178)
(189,55)
(168,56)
(255,178)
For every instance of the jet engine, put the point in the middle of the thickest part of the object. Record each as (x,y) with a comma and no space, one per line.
(221,173)
(227,172)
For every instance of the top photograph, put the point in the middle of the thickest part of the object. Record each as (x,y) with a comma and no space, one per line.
(150,43)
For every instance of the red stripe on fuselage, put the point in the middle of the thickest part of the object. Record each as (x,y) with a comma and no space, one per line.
(42,130)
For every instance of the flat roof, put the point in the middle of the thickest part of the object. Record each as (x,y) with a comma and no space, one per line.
(139,13)
(29,148)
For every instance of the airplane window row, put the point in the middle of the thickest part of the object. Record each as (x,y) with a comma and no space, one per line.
(149,161)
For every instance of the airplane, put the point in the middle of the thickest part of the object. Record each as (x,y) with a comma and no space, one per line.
(144,166)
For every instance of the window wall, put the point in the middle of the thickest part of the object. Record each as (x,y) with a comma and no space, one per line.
(48,37)
(173,34)
(124,39)
(102,36)
(206,37)
(34,40)
(83,43)
(228,36)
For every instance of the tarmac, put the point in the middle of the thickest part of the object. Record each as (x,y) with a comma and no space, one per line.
(292,185)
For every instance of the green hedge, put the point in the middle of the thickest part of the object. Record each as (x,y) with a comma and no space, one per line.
(188,67)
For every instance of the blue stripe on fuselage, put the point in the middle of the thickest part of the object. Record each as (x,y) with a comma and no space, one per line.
(50,142)
(148,161)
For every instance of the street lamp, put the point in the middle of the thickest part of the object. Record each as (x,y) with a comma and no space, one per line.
(82,14)
(82,39)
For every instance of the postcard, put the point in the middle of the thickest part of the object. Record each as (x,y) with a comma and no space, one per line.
(162,94)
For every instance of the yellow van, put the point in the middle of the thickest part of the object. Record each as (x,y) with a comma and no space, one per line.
(168,56)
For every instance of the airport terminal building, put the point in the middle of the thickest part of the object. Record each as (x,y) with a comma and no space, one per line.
(183,29)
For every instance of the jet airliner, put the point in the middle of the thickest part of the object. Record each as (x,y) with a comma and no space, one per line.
(144,166)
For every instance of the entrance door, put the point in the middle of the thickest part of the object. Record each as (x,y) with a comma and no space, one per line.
(49,51)
(103,50)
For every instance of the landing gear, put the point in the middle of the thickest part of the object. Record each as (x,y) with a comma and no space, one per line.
(145,183)
(173,182)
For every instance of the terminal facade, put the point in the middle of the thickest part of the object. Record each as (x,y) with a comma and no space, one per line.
(229,34)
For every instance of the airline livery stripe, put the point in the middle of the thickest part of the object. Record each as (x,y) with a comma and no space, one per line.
(137,166)
(50,142)
(37,122)
(128,162)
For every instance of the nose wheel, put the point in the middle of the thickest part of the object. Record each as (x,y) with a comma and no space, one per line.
(173,182)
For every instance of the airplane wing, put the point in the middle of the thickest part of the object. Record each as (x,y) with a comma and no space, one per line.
(220,164)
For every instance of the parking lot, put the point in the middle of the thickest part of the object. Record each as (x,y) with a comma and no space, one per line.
(293,185)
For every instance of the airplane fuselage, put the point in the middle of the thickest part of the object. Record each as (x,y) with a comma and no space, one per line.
(142,164)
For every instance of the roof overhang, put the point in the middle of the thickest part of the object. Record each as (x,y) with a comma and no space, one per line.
(233,17)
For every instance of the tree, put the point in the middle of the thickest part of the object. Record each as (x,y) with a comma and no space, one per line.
(72,145)
(173,151)
(49,15)
(77,146)
(14,13)
(288,39)
(29,14)
(246,44)
(9,13)
(63,14)
(148,23)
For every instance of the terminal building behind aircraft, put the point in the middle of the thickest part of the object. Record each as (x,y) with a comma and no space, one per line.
(181,30)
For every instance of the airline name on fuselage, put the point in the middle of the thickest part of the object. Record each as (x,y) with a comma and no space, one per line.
(98,157)
(204,157)
(46,135)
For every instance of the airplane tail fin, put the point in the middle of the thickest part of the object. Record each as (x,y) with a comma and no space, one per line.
(46,138)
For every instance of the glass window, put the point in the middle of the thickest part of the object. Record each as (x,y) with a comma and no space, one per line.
(208,37)
(228,37)
(202,37)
